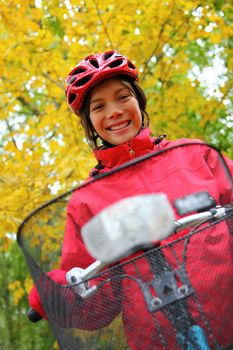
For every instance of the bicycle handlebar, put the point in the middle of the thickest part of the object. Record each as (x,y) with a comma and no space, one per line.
(190,220)
(196,219)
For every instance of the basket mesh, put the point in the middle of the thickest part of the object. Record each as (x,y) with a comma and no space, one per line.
(172,297)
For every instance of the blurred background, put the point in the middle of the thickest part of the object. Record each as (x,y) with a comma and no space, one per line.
(184,52)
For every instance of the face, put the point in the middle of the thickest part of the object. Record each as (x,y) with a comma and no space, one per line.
(114,111)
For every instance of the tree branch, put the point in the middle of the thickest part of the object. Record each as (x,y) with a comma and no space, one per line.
(103,24)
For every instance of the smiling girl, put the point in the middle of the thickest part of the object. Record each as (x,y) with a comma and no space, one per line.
(103,91)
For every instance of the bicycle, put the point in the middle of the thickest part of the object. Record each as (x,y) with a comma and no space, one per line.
(162,276)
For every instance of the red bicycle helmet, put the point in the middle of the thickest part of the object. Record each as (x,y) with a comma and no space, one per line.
(92,70)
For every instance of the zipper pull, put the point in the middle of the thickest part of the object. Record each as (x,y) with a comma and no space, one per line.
(131,151)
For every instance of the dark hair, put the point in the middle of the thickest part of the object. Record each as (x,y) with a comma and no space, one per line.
(84,114)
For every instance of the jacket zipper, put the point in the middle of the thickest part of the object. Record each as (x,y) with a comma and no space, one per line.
(131,151)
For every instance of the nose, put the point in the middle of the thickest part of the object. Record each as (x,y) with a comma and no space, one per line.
(114,111)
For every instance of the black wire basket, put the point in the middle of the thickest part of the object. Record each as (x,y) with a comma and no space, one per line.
(175,296)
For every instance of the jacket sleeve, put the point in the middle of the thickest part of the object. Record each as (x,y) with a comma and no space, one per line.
(105,304)
(93,313)
(74,252)
(57,276)
(100,309)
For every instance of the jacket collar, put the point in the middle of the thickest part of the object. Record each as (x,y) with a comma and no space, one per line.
(137,146)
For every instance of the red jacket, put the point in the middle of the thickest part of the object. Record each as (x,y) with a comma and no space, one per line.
(178,172)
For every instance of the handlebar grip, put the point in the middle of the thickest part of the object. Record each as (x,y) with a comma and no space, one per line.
(33,315)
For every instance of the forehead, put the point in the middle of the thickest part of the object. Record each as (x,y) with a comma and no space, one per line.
(110,85)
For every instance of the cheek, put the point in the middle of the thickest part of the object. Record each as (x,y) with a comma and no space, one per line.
(138,115)
(94,121)
(136,110)
(96,124)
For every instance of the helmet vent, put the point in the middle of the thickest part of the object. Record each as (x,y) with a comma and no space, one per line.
(130,65)
(78,71)
(72,97)
(94,63)
(107,55)
(116,63)
(84,80)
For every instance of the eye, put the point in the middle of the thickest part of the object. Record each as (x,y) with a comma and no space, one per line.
(124,96)
(97,107)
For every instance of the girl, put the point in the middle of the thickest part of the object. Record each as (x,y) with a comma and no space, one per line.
(103,91)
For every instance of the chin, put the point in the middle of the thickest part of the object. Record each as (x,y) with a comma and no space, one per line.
(120,139)
(123,139)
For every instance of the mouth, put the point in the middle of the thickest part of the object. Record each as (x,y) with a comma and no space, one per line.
(119,126)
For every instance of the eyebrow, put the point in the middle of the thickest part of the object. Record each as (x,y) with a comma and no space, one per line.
(96,100)
(116,92)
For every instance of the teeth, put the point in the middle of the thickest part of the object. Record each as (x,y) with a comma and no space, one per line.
(120,126)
